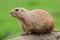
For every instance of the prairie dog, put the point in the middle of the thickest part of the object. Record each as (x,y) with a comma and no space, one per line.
(35,21)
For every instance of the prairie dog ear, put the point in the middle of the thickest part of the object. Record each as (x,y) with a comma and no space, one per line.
(21,10)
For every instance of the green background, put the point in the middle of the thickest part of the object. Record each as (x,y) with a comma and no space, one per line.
(10,24)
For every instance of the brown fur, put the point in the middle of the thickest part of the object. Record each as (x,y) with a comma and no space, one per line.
(35,21)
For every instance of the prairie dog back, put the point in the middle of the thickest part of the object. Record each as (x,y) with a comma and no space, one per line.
(44,19)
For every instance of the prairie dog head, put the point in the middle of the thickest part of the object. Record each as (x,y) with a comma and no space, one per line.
(19,12)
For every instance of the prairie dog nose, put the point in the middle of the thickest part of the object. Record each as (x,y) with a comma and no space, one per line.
(10,12)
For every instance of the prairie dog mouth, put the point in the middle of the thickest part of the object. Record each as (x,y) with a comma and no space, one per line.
(13,14)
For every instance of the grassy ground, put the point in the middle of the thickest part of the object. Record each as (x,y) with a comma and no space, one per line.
(9,24)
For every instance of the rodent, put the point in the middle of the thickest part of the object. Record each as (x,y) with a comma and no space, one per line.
(34,21)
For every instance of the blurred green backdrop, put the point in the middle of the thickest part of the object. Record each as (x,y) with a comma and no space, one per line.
(10,24)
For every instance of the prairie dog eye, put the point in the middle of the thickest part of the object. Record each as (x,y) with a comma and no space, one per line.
(16,9)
